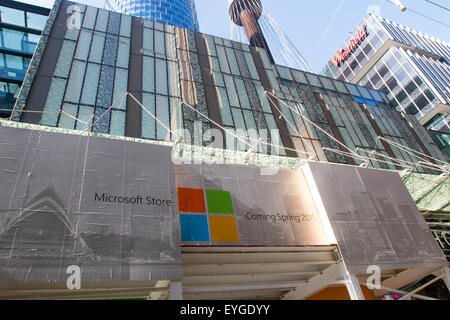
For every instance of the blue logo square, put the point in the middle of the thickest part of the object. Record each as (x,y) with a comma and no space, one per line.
(194,228)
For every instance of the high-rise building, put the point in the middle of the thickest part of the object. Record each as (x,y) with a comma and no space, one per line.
(180,13)
(20,28)
(232,86)
(412,68)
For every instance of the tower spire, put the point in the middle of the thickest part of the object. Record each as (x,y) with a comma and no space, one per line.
(246,13)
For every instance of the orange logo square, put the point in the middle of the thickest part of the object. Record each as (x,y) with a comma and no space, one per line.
(191,200)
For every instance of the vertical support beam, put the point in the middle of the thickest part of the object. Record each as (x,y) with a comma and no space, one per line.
(176,290)
(281,126)
(133,122)
(212,101)
(353,287)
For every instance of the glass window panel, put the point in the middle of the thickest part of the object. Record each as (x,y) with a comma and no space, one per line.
(284,73)
(238,119)
(98,43)
(273,81)
(148,42)
(161,79)
(299,76)
(12,16)
(120,87)
(263,98)
(234,101)
(364,92)
(214,64)
(160,47)
(233,62)
(66,121)
(218,79)
(149,24)
(245,103)
(123,54)
(89,17)
(30,42)
(223,59)
(227,43)
(250,120)
(102,20)
(148,75)
(159,26)
(218,40)
(174,81)
(171,48)
(327,83)
(211,46)
(12,39)
(148,122)
(353,90)
(85,115)
(265,58)
(275,137)
(251,65)
(117,127)
(224,106)
(83,45)
(162,114)
(65,59)
(75,83)
(288,118)
(125,26)
(90,84)
(72,34)
(54,102)
(336,116)
(313,79)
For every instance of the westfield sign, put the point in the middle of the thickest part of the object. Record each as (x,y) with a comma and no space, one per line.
(341,55)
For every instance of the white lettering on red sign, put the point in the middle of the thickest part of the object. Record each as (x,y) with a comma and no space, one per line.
(341,55)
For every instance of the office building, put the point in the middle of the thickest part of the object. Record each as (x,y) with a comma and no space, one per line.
(180,13)
(20,28)
(412,68)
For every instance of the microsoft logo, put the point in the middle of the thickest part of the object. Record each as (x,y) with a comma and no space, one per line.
(214,221)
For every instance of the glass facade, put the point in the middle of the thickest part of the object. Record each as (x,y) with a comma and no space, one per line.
(180,13)
(188,84)
(20,29)
(413,69)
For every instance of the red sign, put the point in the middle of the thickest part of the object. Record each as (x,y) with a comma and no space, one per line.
(341,55)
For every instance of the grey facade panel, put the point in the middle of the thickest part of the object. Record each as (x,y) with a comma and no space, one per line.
(63,203)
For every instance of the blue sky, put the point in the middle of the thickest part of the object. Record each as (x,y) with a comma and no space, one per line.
(306,21)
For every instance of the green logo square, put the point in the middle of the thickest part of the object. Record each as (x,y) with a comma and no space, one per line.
(219,202)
